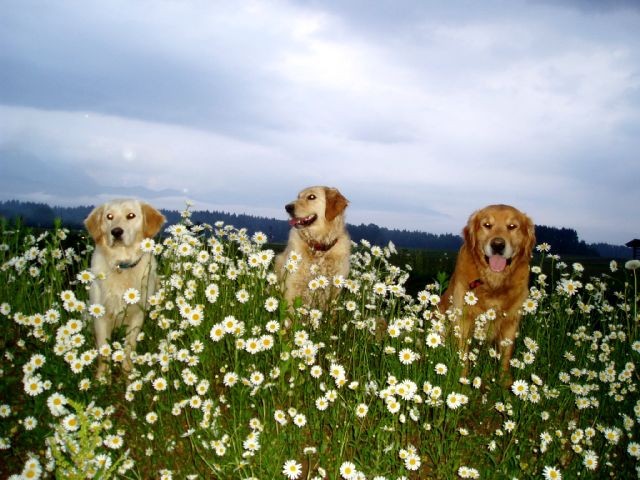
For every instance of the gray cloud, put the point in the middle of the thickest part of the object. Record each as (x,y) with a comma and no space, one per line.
(420,112)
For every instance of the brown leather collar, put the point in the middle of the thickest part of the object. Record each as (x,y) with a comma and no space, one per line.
(321,247)
(475,284)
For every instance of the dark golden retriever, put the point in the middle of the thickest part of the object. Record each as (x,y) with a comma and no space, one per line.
(493,264)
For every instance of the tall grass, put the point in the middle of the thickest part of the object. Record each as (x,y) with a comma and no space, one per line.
(229,382)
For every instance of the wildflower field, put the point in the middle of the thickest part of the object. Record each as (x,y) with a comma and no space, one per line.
(231,383)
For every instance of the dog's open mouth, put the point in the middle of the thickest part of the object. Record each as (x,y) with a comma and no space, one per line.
(497,263)
(301,222)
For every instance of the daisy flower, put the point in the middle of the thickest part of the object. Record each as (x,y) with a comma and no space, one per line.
(217,332)
(292,469)
(470,298)
(242,295)
(361,410)
(434,340)
(530,305)
(70,423)
(96,310)
(230,324)
(407,356)
(85,277)
(468,472)
(151,417)
(159,384)
(455,400)
(280,417)
(113,442)
(412,462)
(259,238)
(131,296)
(256,378)
(33,386)
(520,388)
(147,245)
(322,403)
(551,473)
(590,460)
(348,471)
(271,304)
(29,423)
(211,292)
(441,369)
(272,326)
(543,247)
(380,289)
(300,420)
(230,379)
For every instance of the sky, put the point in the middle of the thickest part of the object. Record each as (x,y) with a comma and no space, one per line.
(420,112)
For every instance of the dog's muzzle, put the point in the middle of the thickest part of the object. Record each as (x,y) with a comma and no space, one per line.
(298,222)
(117,233)
(497,260)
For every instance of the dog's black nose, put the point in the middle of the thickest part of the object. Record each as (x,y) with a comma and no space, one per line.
(497,245)
(117,232)
(290,207)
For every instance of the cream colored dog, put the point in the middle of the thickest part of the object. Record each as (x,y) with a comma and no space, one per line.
(118,228)
(318,245)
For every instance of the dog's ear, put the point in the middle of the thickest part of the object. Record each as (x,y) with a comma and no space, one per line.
(529,229)
(153,220)
(469,231)
(94,224)
(335,203)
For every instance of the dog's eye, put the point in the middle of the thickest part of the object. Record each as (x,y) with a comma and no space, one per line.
(109,216)
(131,216)
(487,225)
(512,226)
(311,197)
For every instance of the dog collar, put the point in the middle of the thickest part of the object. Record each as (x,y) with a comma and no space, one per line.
(126,265)
(475,284)
(321,247)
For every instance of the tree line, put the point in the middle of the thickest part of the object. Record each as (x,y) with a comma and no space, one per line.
(564,241)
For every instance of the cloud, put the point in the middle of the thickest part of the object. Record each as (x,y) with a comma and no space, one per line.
(419,112)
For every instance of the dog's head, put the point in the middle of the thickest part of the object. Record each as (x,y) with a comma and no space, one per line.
(123,222)
(315,207)
(498,235)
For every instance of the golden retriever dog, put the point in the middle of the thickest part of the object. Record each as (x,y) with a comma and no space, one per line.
(118,228)
(493,264)
(318,245)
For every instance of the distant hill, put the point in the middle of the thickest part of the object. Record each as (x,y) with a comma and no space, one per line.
(564,241)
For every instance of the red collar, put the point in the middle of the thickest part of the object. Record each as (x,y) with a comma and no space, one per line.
(321,247)
(475,284)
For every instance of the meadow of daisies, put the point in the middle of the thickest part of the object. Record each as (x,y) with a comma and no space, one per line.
(231,383)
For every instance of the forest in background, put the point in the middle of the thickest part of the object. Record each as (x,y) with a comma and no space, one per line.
(565,241)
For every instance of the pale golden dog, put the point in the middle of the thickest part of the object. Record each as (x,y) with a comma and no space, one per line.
(118,228)
(318,245)
(493,264)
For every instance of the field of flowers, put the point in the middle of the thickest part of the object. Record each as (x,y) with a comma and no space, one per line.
(231,383)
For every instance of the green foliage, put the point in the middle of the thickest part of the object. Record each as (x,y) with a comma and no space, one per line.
(74,446)
(230,382)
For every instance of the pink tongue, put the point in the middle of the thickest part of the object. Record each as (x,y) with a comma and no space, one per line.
(293,222)
(497,263)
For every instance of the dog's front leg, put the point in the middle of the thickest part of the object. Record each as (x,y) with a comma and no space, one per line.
(135,319)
